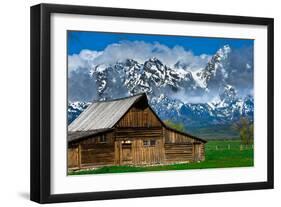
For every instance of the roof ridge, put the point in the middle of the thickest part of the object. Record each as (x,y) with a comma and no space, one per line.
(118,99)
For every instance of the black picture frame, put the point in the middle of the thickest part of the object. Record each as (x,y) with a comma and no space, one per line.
(41,99)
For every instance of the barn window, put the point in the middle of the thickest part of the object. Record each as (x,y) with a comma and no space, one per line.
(102,138)
(149,143)
(145,143)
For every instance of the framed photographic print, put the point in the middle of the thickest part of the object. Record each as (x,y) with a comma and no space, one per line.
(132,103)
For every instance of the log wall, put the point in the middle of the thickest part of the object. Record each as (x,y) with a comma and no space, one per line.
(175,137)
(90,152)
(97,154)
(96,138)
(178,153)
(182,148)
(138,132)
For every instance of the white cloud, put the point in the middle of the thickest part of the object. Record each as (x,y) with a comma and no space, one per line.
(137,50)
(84,60)
(75,62)
(187,97)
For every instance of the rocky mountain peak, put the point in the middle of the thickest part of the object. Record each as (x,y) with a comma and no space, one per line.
(215,67)
(229,94)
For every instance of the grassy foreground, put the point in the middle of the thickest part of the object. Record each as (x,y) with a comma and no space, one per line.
(219,154)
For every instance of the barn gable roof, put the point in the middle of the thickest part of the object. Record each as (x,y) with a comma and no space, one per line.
(103,115)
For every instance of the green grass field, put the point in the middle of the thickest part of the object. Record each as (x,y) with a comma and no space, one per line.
(219,154)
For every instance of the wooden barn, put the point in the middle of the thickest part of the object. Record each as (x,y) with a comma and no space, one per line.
(127,132)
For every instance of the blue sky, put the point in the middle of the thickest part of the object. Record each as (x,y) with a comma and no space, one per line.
(98,41)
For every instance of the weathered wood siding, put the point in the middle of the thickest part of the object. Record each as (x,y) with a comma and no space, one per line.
(137,117)
(72,157)
(138,132)
(139,153)
(96,139)
(202,152)
(97,154)
(175,137)
(90,152)
(182,148)
(178,152)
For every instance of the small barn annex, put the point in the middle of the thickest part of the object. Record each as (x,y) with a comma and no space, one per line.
(127,132)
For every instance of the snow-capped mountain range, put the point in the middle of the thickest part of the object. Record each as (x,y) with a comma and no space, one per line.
(163,84)
(75,109)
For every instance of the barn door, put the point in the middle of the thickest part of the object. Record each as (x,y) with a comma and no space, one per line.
(126,151)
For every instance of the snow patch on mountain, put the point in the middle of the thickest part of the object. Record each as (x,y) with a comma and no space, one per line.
(74,109)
